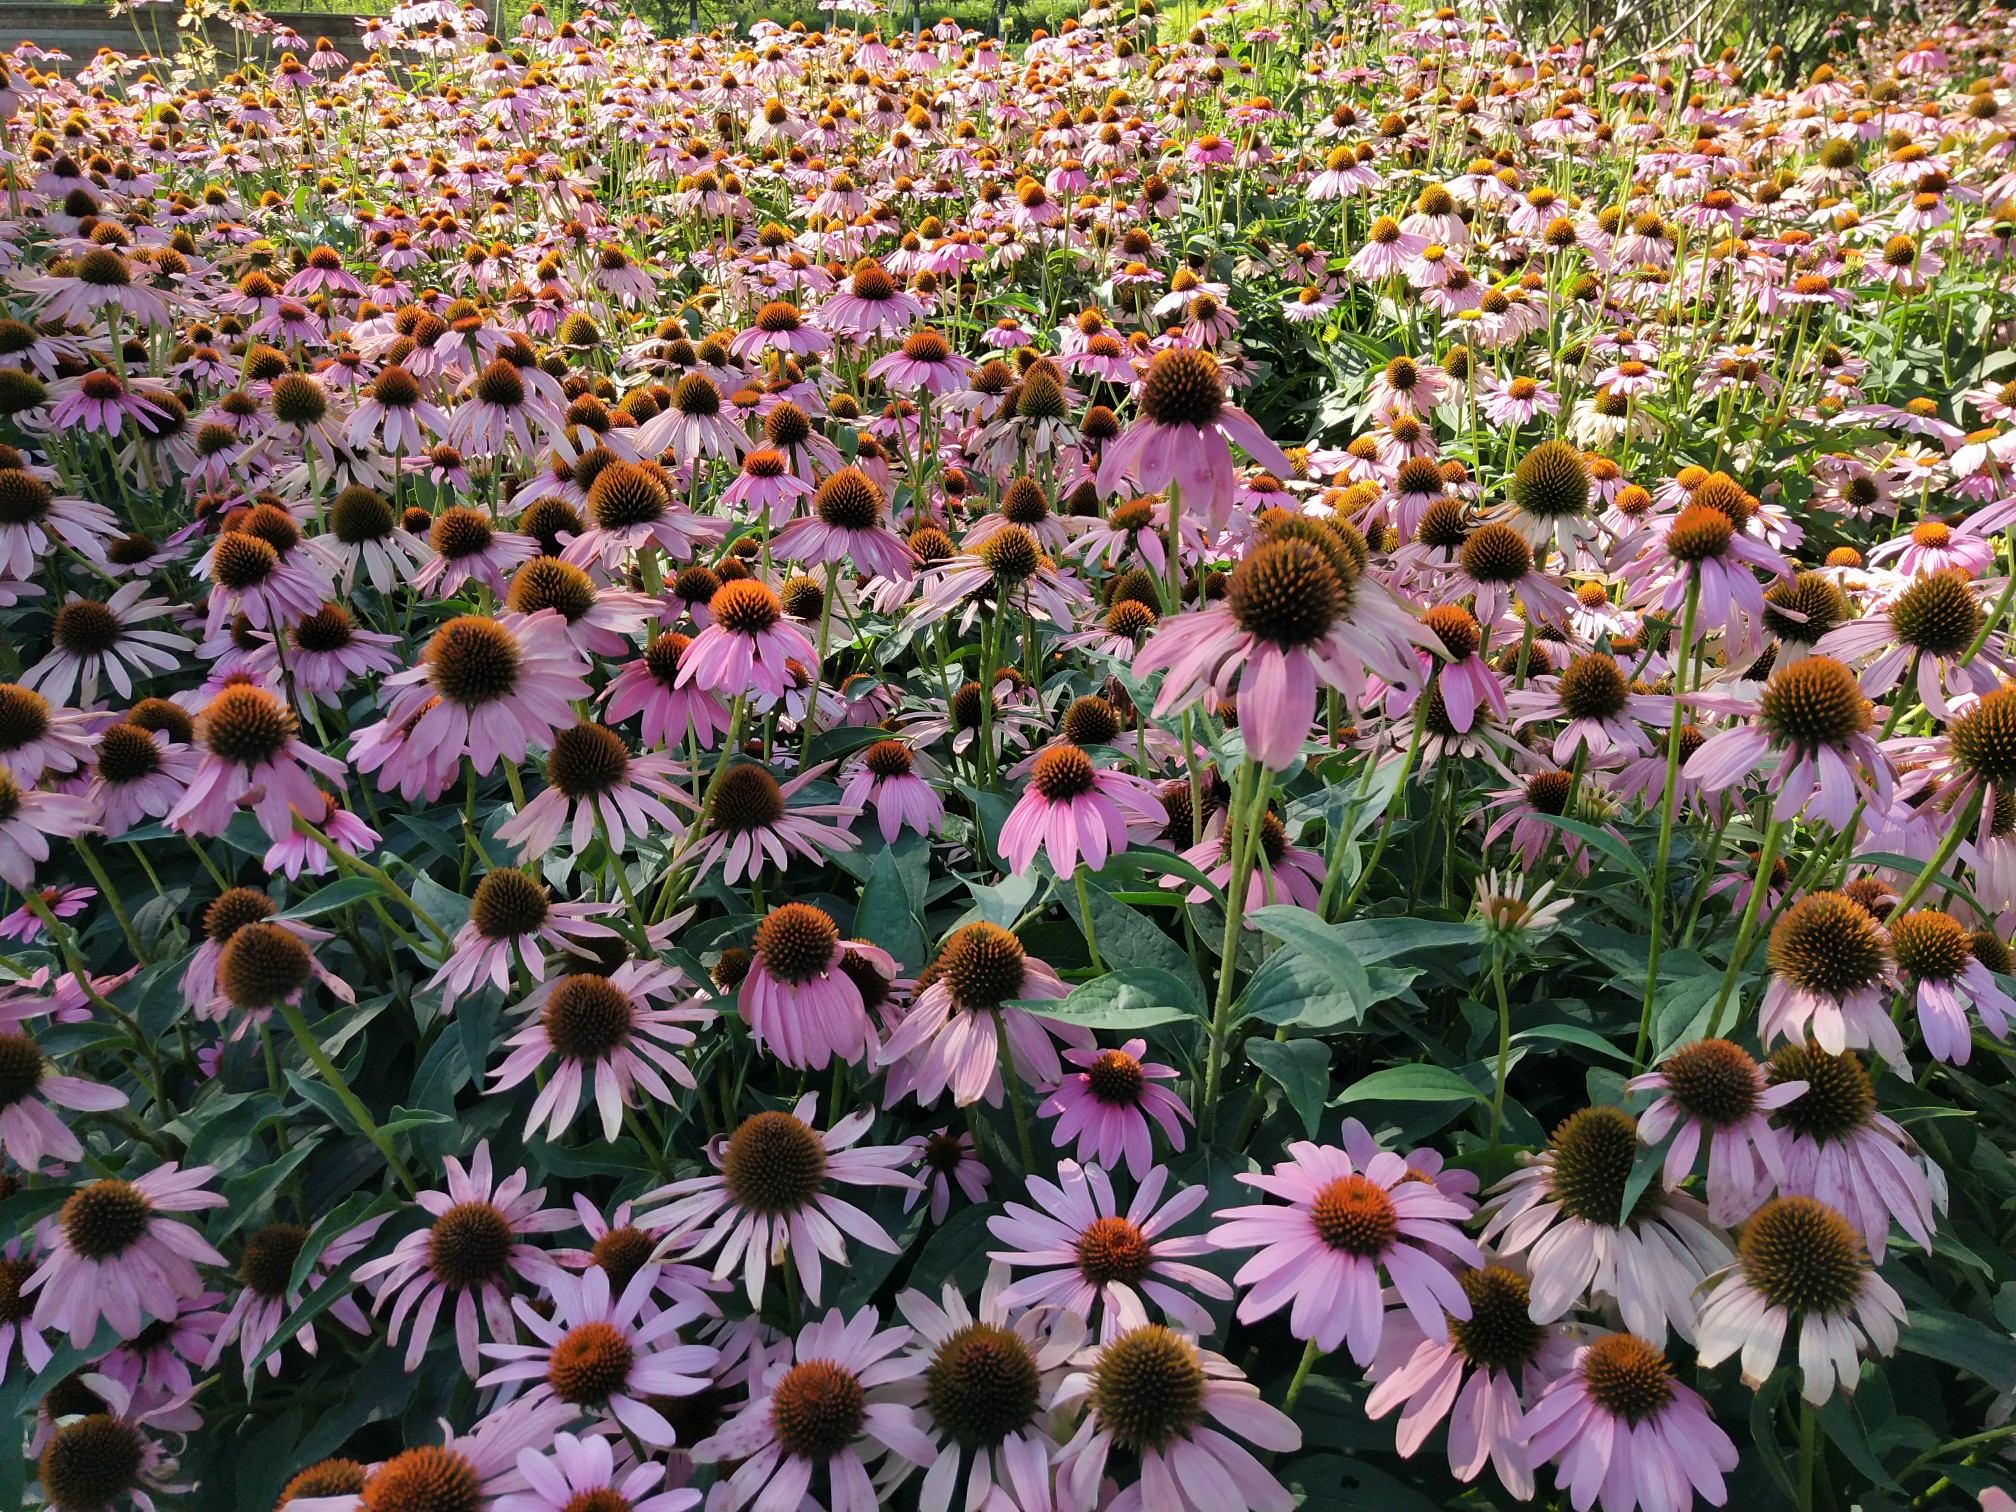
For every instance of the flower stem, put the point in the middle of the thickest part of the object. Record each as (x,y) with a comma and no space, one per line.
(1242,830)
(1014,1083)
(1310,1355)
(326,1069)
(1085,913)
(1669,803)
(1504,1063)
(1740,952)
(112,899)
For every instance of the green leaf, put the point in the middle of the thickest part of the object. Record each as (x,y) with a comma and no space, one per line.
(1138,997)
(1572,1034)
(1321,943)
(1417,1083)
(1843,1423)
(338,894)
(1963,1342)
(1302,1067)
(247,1193)
(884,915)
(1601,839)
(1333,1483)
(1289,988)
(1155,863)
(1375,940)
(1645,1167)
(1127,937)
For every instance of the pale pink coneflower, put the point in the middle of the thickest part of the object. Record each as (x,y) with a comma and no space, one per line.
(470,1259)
(846,526)
(1516,401)
(25,924)
(1184,437)
(768,1200)
(30,1128)
(953,1032)
(1597,713)
(263,571)
(778,327)
(993,1450)
(1154,1395)
(1811,715)
(649,685)
(1288,873)
(114,1253)
(752,822)
(888,776)
(1934,953)
(513,921)
(1106,1105)
(1323,1251)
(1564,1211)
(252,755)
(1072,806)
(1702,545)
(765,489)
(576,1474)
(1800,1263)
(1101,1264)
(595,784)
(34,518)
(602,1037)
(468,547)
(835,1400)
(1479,1377)
(118,1449)
(1832,978)
(602,1353)
(1625,1432)
(802,997)
(1712,1092)
(692,427)
(109,640)
(268,1297)
(485,1460)
(747,647)
(945,1159)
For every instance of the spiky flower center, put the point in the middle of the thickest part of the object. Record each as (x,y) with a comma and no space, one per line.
(1148,1389)
(587,760)
(1287,592)
(1551,482)
(983,966)
(1930,945)
(747,798)
(469,1246)
(1803,1256)
(849,500)
(625,495)
(1809,595)
(745,607)
(90,1464)
(432,1478)
(508,903)
(1061,773)
(1115,1079)
(104,1220)
(330,1477)
(1829,945)
(587,1018)
(1983,740)
(1113,1249)
(461,532)
(1938,615)
(1354,1216)
(1700,533)
(1814,701)
(268,1262)
(1627,1377)
(472,660)
(21,1069)
(1713,1081)
(774,1164)
(1593,687)
(1839,1098)
(590,1364)
(1594,1151)
(1183,387)
(796,942)
(817,1409)
(263,964)
(1496,554)
(1499,1334)
(548,583)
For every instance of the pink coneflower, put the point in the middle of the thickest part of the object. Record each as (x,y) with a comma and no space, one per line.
(1153,1394)
(514,920)
(253,754)
(692,426)
(468,547)
(1812,716)
(1926,632)
(1286,873)
(1097,1263)
(747,647)
(268,1297)
(34,518)
(1935,953)
(592,776)
(752,822)
(630,511)
(778,327)
(485,1462)
(989,1376)
(1072,806)
(471,1256)
(868,303)
(1184,435)
(1832,978)
(1800,1262)
(1105,1107)
(261,569)
(946,1159)
(835,1400)
(1703,545)
(31,1090)
(25,924)
(1597,712)
(483,688)
(579,1475)
(1515,401)
(1007,566)
(649,685)
(924,363)
(114,1253)
(29,817)
(1289,620)
(1478,1377)
(1565,1212)
(598,1354)
(952,1034)
(94,639)
(1323,1252)
(846,526)
(769,1198)
(1842,1151)
(802,998)
(1712,1091)
(111,1454)
(1625,1432)
(601,1036)
(765,489)
(888,776)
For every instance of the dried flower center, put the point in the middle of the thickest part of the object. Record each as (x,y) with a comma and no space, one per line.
(433,1478)
(1113,1249)
(1627,1377)
(1355,1217)
(983,966)
(1593,1152)
(1286,591)
(24,498)
(796,942)
(1803,1256)
(1713,1081)
(105,1219)
(774,1164)
(747,798)
(469,1246)
(1593,687)
(817,1409)
(1115,1079)
(1148,1389)
(1183,387)
(90,1464)
(1839,1098)
(589,1365)
(263,964)
(472,660)
(1828,944)
(1500,1333)
(268,1262)
(1814,701)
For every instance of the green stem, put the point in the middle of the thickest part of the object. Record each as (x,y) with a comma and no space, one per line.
(1085,913)
(1013,1079)
(1386,820)
(1310,1355)
(1669,804)
(112,899)
(1242,830)
(1740,952)
(333,1078)
(1504,1063)
(1961,827)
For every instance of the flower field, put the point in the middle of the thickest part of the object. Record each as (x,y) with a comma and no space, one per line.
(1207,763)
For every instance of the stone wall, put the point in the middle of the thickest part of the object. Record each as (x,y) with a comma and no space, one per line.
(80,30)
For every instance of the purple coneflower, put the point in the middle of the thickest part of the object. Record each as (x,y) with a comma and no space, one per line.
(1072,806)
(803,999)
(253,754)
(1712,1091)
(592,775)
(1105,1107)
(1184,436)
(513,919)
(267,1295)
(113,1252)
